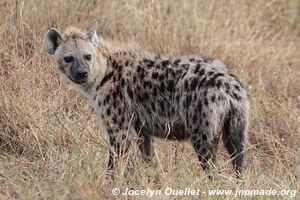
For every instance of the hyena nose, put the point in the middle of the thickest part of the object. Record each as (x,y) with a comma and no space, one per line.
(81,73)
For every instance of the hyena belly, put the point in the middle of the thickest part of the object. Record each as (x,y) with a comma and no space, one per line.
(166,125)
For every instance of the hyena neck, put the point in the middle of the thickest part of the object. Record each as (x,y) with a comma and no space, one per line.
(97,73)
(106,51)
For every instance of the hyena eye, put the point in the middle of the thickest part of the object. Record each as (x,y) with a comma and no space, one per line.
(68,59)
(88,57)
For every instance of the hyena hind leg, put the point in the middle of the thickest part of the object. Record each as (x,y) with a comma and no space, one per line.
(205,149)
(234,139)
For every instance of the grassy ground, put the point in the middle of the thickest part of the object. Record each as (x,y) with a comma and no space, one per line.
(50,145)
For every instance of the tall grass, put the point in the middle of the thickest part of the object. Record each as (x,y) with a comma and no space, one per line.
(50,144)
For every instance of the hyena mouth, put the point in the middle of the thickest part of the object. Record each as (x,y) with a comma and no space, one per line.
(79,81)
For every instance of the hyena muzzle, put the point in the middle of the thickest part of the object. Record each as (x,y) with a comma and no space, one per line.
(137,93)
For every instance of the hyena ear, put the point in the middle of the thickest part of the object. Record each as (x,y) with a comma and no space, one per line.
(92,35)
(52,40)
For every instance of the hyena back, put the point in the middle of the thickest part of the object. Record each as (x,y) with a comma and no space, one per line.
(136,93)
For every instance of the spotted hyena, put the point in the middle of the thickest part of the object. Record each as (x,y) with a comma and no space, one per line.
(137,93)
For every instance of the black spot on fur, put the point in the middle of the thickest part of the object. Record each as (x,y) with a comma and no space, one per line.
(214,77)
(177,98)
(171,86)
(186,85)
(195,117)
(114,64)
(119,111)
(162,87)
(146,95)
(112,140)
(130,93)
(99,103)
(119,75)
(188,100)
(114,78)
(177,61)
(147,84)
(149,63)
(161,77)
(235,96)
(98,87)
(154,75)
(213,98)
(115,119)
(178,71)
(114,103)
(140,98)
(122,119)
(201,83)
(154,92)
(114,94)
(196,132)
(138,70)
(150,85)
(106,78)
(122,82)
(197,68)
(108,111)
(153,106)
(206,123)
(237,87)
(210,73)
(219,84)
(165,63)
(211,83)
(142,75)
(204,137)
(134,79)
(205,101)
(198,145)
(192,59)
(106,99)
(227,87)
(194,138)
(120,67)
(199,106)
(194,84)
(220,97)
(195,97)
(167,73)
(202,72)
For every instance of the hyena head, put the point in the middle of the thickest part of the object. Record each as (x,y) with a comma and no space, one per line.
(75,52)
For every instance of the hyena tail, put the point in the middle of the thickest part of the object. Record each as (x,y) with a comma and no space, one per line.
(235,134)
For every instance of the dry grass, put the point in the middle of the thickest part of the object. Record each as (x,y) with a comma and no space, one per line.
(50,145)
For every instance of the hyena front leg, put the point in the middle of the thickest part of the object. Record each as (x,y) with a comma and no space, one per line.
(145,146)
(203,148)
(119,145)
